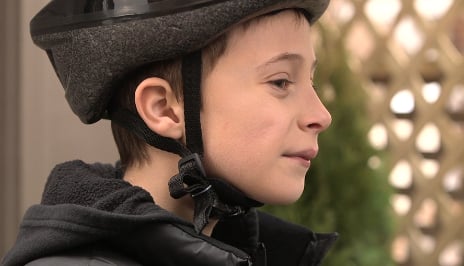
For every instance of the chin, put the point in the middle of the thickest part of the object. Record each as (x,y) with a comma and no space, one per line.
(282,198)
(288,200)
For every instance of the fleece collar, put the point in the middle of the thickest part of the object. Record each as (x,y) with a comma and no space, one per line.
(86,204)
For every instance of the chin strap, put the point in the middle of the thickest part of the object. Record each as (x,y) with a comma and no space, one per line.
(192,180)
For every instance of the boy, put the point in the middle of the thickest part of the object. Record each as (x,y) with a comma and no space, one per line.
(193,165)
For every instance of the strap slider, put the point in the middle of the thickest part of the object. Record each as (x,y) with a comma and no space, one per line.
(195,158)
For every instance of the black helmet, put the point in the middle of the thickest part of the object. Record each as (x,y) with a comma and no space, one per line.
(92,44)
(88,40)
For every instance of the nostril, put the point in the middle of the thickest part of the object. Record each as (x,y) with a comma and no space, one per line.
(321,123)
(316,127)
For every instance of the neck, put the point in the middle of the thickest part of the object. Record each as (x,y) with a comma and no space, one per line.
(154,176)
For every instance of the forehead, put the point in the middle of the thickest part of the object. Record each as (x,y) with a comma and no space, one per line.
(257,32)
(298,14)
(285,17)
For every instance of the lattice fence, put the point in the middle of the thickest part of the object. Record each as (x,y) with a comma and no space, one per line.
(409,57)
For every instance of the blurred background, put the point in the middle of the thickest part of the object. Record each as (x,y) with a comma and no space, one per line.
(390,174)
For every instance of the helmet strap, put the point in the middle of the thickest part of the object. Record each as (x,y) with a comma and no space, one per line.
(135,124)
(191,78)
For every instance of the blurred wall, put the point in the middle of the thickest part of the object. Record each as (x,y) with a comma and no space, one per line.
(8,121)
(38,130)
(409,58)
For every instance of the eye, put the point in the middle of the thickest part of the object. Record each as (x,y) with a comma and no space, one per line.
(281,83)
(315,86)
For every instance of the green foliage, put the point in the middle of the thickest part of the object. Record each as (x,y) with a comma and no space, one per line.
(343,193)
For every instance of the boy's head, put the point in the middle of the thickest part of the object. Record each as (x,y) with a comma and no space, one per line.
(241,124)
(253,61)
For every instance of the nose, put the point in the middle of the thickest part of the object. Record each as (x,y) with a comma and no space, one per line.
(316,117)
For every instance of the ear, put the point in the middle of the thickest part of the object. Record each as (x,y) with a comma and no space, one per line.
(158,106)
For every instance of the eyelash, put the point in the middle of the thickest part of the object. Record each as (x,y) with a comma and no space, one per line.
(278,83)
(315,87)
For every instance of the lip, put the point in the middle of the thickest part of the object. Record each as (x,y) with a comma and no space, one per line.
(303,157)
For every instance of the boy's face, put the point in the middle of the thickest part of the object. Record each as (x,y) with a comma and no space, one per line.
(261,116)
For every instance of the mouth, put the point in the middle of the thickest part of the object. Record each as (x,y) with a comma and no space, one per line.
(302,157)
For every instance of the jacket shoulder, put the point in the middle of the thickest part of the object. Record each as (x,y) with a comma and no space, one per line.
(88,257)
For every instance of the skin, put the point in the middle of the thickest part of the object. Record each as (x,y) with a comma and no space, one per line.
(261,116)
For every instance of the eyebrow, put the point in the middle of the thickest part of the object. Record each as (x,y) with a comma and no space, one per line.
(287,57)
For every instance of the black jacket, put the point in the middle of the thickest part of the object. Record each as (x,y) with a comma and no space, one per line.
(90,216)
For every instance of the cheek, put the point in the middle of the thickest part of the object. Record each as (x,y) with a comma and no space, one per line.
(242,148)
(238,136)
